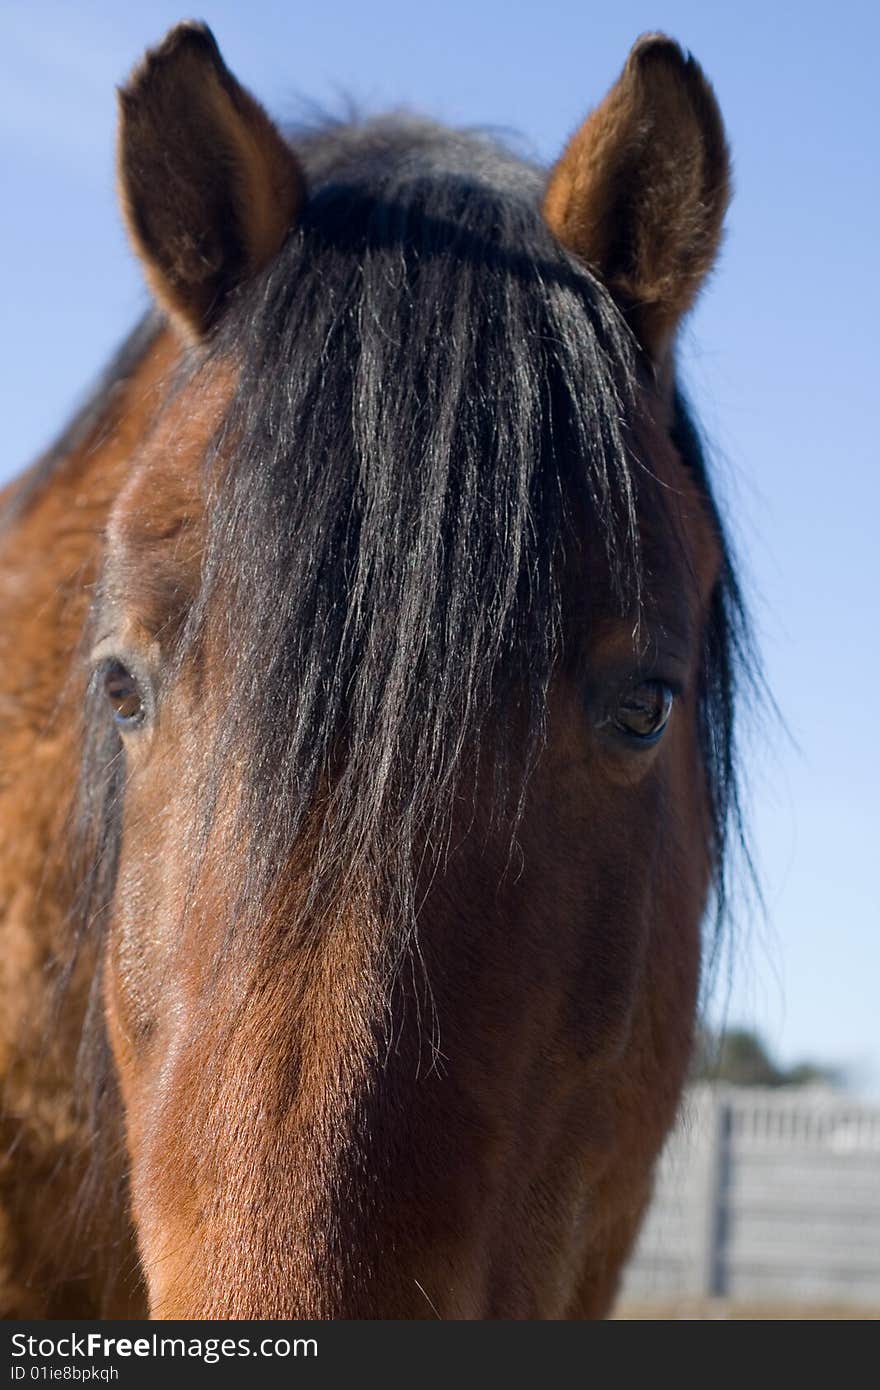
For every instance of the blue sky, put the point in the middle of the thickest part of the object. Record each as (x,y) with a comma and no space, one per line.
(780,357)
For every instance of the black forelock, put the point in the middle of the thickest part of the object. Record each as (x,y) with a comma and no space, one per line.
(430,391)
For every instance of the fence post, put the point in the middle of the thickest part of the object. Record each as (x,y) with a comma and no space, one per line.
(713,1269)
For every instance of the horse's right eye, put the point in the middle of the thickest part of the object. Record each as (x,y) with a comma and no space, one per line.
(123,694)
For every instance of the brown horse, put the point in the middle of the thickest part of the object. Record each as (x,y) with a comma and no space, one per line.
(369,646)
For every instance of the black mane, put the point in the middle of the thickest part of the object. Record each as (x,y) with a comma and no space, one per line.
(431,391)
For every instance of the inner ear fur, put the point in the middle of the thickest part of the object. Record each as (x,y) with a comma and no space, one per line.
(209,187)
(642,187)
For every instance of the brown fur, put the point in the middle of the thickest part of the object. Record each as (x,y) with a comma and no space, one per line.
(641,189)
(294,1148)
(48,561)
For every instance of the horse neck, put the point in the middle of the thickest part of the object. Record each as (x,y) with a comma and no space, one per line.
(51,525)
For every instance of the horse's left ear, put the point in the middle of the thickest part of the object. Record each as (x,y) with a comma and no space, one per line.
(209,187)
(641,190)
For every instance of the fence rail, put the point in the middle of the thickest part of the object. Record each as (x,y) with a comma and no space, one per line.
(764,1194)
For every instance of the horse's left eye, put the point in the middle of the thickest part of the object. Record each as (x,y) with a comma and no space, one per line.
(643,711)
(123,694)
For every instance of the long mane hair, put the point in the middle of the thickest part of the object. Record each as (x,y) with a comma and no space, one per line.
(430,392)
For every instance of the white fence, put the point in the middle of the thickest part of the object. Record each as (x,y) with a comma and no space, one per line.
(765,1194)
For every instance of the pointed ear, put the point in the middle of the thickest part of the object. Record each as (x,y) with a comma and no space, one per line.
(641,190)
(209,188)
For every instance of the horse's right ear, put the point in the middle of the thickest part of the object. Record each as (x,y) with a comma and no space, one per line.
(209,187)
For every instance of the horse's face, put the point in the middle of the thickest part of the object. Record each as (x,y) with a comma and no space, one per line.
(344,1097)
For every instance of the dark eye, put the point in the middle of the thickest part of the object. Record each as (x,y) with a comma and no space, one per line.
(643,711)
(123,695)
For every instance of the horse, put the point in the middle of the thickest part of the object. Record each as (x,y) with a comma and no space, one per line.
(370,650)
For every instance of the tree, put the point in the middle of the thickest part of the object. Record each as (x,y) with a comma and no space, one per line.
(740,1057)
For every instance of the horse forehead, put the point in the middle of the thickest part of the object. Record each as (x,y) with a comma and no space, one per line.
(165,498)
(164,492)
